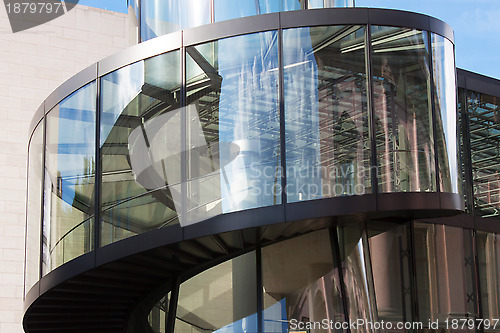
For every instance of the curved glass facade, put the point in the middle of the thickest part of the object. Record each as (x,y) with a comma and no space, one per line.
(140,147)
(250,121)
(69,178)
(326,112)
(408,273)
(152,18)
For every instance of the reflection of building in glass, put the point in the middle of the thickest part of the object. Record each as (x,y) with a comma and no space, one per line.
(244,175)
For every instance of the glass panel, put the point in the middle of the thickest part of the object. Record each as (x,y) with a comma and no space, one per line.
(227,10)
(293,5)
(442,268)
(160,17)
(443,58)
(34,204)
(484,129)
(300,283)
(133,21)
(222,298)
(158,316)
(69,178)
(330,3)
(488,252)
(232,126)
(402,107)
(390,252)
(357,272)
(140,147)
(327,133)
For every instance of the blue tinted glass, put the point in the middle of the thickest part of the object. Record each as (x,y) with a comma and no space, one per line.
(269,6)
(139,128)
(292,4)
(159,18)
(69,178)
(316,4)
(163,17)
(327,136)
(228,9)
(446,114)
(232,94)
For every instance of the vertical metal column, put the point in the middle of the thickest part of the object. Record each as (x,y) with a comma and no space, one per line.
(434,113)
(43,123)
(98,169)
(477,279)
(337,261)
(183,141)
(371,109)
(260,296)
(281,103)
(172,308)
(413,271)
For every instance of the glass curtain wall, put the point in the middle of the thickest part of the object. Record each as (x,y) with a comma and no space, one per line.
(233,126)
(221,299)
(403,110)
(69,191)
(391,259)
(140,150)
(326,116)
(444,273)
(304,289)
(484,135)
(162,17)
(411,272)
(164,162)
(358,278)
(445,106)
(488,252)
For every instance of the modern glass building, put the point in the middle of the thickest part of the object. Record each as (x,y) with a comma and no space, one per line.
(263,168)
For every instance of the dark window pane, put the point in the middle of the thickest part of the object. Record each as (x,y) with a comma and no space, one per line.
(159,314)
(484,129)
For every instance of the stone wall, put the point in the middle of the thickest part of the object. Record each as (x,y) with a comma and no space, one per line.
(32,64)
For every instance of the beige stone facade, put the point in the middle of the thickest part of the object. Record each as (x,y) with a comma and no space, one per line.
(32,64)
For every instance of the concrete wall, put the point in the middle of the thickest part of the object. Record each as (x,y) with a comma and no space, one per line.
(32,64)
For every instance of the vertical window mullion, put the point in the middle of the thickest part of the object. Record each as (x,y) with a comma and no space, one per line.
(371,110)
